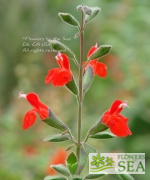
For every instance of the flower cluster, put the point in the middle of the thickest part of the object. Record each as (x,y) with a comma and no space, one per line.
(73,165)
(61,76)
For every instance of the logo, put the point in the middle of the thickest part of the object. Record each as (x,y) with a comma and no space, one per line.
(117,163)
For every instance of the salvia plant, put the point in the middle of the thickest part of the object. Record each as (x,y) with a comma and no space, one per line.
(63,76)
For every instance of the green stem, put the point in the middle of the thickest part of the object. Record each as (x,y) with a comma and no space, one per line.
(80,96)
(71,137)
(87,136)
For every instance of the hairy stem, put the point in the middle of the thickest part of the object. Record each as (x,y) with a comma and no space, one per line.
(80,96)
(86,138)
(71,137)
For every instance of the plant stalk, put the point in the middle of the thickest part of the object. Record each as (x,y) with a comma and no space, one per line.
(80,96)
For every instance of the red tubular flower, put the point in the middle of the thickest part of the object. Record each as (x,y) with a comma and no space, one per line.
(38,107)
(62,75)
(115,121)
(58,158)
(99,68)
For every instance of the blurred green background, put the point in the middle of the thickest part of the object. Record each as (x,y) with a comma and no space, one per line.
(124,24)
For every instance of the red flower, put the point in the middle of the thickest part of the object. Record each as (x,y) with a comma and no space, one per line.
(38,107)
(99,68)
(60,76)
(115,121)
(58,158)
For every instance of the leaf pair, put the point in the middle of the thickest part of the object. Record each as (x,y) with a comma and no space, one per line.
(88,11)
(68,171)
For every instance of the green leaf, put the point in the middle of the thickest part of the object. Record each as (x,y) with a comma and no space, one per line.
(72,163)
(77,178)
(53,121)
(125,176)
(89,149)
(98,127)
(103,135)
(93,176)
(61,169)
(100,52)
(58,46)
(71,85)
(83,160)
(56,138)
(69,19)
(70,147)
(55,178)
(87,10)
(88,78)
(91,16)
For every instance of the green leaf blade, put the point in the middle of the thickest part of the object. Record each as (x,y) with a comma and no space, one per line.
(59,46)
(72,163)
(87,10)
(98,127)
(69,19)
(56,138)
(103,135)
(72,86)
(100,52)
(88,78)
(83,160)
(70,147)
(77,178)
(93,176)
(90,17)
(125,177)
(55,178)
(61,169)
(89,149)
(54,122)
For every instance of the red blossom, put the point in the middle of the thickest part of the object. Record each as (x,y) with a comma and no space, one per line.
(115,121)
(62,75)
(99,68)
(38,107)
(58,158)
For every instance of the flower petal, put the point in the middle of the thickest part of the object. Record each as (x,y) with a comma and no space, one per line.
(66,63)
(92,50)
(29,119)
(51,75)
(119,127)
(43,111)
(63,61)
(62,78)
(93,65)
(101,69)
(106,118)
(117,106)
(39,107)
(33,99)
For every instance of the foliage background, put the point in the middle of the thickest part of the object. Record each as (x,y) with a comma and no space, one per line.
(124,24)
